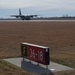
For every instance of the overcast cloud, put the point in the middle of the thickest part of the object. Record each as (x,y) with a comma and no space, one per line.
(45,7)
(38,4)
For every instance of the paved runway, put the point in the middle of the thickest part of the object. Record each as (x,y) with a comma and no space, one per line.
(33,66)
(37,20)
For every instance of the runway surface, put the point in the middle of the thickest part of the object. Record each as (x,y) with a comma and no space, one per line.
(33,66)
(37,20)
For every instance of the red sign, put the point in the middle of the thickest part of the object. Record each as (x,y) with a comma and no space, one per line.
(36,53)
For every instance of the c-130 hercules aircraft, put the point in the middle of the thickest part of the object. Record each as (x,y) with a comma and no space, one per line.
(23,17)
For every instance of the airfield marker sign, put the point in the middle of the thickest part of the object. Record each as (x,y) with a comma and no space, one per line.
(35,53)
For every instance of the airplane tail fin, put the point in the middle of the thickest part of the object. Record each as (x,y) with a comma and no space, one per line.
(20,12)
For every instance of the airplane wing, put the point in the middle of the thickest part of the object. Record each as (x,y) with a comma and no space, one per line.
(17,16)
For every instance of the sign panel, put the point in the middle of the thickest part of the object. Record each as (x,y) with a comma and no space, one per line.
(24,50)
(36,53)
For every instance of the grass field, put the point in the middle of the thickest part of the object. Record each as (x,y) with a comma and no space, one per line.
(58,36)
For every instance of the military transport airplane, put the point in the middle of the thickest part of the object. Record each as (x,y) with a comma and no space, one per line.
(23,17)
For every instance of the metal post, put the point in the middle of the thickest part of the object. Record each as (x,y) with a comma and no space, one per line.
(37,64)
(29,61)
(47,69)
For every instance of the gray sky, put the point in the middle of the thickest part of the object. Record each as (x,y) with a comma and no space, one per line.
(45,7)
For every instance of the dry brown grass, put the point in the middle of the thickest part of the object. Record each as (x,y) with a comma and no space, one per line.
(58,36)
